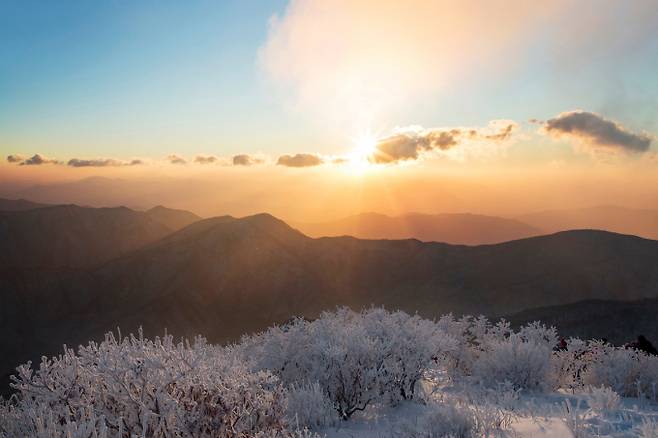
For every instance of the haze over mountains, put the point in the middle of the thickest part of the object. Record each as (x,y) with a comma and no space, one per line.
(72,236)
(455,228)
(70,273)
(606,217)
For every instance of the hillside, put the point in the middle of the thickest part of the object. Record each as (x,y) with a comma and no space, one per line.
(638,222)
(465,229)
(172,218)
(72,236)
(19,205)
(223,277)
(617,321)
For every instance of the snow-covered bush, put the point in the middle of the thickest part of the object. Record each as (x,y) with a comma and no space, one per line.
(135,386)
(602,399)
(356,358)
(494,353)
(569,364)
(523,363)
(309,406)
(629,372)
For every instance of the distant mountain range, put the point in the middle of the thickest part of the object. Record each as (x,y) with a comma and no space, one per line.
(72,236)
(68,274)
(607,217)
(455,228)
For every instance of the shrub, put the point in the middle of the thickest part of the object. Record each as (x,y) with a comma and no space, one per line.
(309,406)
(524,364)
(602,399)
(629,372)
(139,387)
(356,358)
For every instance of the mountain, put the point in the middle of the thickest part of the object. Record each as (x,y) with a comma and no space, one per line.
(172,218)
(224,277)
(638,222)
(617,321)
(465,229)
(72,236)
(19,205)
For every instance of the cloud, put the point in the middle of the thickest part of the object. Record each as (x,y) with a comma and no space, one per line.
(200,159)
(15,158)
(175,159)
(410,143)
(359,61)
(594,131)
(300,160)
(36,160)
(102,162)
(245,160)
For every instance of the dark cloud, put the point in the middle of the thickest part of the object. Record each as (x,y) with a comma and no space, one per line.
(408,145)
(245,160)
(594,130)
(36,160)
(299,160)
(15,158)
(102,162)
(175,159)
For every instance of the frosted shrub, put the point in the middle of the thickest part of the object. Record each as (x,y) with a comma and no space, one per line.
(602,399)
(357,358)
(524,364)
(569,365)
(493,353)
(628,372)
(309,406)
(409,344)
(140,387)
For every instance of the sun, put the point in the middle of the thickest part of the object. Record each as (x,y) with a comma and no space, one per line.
(360,157)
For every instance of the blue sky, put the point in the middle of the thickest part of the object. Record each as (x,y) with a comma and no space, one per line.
(124,79)
(112,76)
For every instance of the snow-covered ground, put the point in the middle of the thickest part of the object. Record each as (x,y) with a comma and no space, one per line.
(512,414)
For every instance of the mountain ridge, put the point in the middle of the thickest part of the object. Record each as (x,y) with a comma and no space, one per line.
(454,228)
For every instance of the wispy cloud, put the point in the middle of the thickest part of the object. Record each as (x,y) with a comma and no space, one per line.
(206,159)
(593,131)
(102,162)
(246,160)
(175,159)
(410,143)
(36,160)
(15,158)
(300,160)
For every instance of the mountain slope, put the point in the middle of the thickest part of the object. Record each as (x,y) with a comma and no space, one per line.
(467,229)
(617,321)
(172,218)
(68,235)
(19,205)
(638,222)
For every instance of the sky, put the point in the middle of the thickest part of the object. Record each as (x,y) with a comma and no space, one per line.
(322,93)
